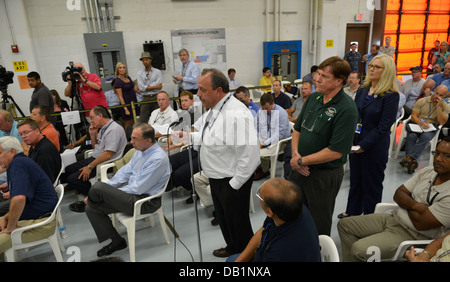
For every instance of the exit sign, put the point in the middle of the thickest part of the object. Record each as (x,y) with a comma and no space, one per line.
(359,17)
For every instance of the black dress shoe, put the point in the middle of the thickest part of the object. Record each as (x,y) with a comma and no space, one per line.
(221,253)
(77,206)
(214,221)
(111,248)
(189,200)
(343,215)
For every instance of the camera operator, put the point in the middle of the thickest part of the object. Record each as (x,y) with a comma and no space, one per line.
(41,94)
(89,87)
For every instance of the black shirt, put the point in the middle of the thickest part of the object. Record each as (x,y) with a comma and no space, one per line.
(282,100)
(47,157)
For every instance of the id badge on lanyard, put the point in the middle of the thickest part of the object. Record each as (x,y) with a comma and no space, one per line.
(358,128)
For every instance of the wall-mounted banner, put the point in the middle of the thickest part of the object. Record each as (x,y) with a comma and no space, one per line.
(207,47)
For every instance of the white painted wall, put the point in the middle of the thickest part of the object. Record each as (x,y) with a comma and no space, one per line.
(50,35)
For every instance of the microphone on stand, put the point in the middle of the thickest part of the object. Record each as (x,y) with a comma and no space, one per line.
(175,123)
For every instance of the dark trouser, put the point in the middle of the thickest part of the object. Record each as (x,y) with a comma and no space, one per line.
(232,212)
(103,199)
(72,172)
(147,108)
(4,206)
(181,169)
(366,181)
(319,190)
(287,160)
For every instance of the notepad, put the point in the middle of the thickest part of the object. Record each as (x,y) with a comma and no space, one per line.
(419,129)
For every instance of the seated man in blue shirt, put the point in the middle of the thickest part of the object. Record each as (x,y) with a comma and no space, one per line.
(32,194)
(242,93)
(288,233)
(272,125)
(443,77)
(146,174)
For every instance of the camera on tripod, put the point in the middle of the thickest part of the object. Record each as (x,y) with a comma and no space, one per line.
(6,77)
(71,72)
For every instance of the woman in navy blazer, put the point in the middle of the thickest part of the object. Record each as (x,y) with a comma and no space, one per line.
(377,103)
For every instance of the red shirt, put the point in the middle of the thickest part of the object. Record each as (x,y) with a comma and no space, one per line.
(89,96)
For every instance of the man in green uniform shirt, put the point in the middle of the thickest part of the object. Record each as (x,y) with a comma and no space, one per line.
(321,141)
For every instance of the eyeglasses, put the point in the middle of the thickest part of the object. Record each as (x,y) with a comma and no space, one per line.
(444,156)
(25,132)
(304,123)
(375,67)
(258,194)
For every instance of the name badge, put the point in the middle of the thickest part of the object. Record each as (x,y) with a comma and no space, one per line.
(358,128)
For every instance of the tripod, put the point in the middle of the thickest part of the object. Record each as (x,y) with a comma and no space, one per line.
(5,97)
(77,99)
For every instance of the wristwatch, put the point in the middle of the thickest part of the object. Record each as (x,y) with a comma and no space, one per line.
(299,161)
(90,167)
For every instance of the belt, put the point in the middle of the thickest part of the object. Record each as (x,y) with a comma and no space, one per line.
(44,215)
(151,95)
(323,168)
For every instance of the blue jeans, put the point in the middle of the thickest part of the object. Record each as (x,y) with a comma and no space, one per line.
(416,142)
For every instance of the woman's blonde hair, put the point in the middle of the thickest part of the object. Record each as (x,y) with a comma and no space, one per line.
(388,81)
(117,69)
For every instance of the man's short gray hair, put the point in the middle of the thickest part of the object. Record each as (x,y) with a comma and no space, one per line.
(8,143)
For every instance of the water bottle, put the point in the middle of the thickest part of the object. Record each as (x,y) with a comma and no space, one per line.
(63,231)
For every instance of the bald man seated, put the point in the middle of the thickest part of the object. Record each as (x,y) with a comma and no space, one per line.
(288,233)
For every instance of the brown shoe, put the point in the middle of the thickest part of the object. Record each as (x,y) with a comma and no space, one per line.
(412,166)
(406,162)
(221,253)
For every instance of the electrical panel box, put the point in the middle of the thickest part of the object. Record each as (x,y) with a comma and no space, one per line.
(104,51)
(156,50)
(284,59)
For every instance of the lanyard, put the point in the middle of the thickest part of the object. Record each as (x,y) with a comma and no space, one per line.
(430,202)
(220,110)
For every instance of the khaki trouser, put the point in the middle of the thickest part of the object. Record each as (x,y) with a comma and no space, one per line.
(202,188)
(34,234)
(381,230)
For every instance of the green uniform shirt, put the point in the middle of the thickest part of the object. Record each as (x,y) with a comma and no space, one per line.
(329,125)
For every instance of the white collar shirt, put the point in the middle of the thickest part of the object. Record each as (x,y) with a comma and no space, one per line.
(229,146)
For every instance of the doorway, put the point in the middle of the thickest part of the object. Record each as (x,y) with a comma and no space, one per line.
(358,33)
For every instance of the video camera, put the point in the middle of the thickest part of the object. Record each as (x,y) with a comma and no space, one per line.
(71,70)
(6,77)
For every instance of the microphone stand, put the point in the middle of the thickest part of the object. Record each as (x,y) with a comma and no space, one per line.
(194,195)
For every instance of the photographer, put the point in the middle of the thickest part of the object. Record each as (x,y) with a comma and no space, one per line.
(89,88)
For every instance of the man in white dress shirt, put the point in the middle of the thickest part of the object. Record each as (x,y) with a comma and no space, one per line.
(161,118)
(229,155)
(233,82)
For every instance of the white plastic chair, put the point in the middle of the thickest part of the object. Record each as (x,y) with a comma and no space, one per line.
(328,249)
(130,221)
(399,254)
(59,216)
(16,235)
(273,151)
(88,154)
(433,142)
(393,142)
